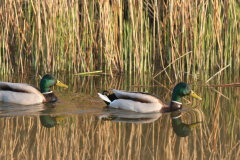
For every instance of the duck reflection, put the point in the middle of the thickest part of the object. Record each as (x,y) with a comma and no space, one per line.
(12,109)
(181,129)
(45,111)
(49,120)
(128,116)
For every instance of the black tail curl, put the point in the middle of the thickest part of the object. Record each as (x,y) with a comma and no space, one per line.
(111,96)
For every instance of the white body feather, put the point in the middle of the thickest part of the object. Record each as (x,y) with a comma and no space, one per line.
(30,95)
(134,101)
(135,106)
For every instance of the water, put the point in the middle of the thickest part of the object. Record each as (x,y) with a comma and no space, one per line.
(79,126)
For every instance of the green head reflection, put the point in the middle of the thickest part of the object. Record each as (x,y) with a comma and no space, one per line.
(50,121)
(181,129)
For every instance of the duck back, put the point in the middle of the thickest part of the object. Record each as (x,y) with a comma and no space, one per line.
(20,93)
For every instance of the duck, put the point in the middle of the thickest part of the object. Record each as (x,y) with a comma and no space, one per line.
(147,103)
(27,94)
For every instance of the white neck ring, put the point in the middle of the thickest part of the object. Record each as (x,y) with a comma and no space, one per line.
(47,92)
(176,102)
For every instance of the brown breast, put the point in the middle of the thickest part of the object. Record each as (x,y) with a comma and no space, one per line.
(50,97)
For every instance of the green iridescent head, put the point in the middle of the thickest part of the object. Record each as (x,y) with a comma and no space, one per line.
(183,89)
(48,81)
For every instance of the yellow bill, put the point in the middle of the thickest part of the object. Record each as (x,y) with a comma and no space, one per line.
(192,94)
(194,125)
(60,84)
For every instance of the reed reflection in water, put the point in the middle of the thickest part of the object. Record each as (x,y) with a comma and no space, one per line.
(78,133)
(85,136)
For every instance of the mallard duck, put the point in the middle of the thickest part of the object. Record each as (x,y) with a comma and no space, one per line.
(26,94)
(145,102)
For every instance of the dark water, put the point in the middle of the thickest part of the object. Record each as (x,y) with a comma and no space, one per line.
(79,126)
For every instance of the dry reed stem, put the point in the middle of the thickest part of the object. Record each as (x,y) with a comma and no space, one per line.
(217,73)
(217,91)
(171,64)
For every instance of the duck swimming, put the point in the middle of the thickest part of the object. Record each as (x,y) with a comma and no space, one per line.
(26,94)
(146,103)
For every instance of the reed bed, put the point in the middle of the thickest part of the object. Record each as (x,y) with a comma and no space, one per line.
(118,36)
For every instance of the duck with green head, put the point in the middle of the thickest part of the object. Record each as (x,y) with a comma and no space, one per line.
(145,102)
(26,94)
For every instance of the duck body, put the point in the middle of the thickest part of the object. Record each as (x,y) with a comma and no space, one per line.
(134,101)
(20,93)
(26,94)
(144,102)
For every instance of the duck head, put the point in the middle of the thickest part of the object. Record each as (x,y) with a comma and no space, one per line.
(181,90)
(48,81)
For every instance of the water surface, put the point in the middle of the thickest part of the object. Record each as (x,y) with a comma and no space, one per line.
(79,126)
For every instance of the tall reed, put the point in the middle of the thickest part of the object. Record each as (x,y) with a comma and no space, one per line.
(118,36)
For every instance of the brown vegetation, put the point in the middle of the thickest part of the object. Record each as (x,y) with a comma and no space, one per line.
(123,36)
